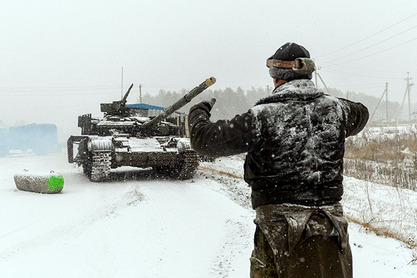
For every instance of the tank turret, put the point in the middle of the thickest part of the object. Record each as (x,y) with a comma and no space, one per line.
(117,107)
(120,119)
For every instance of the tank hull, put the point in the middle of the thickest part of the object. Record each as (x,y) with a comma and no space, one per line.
(98,155)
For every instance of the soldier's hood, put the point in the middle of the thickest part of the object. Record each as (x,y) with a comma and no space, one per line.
(300,89)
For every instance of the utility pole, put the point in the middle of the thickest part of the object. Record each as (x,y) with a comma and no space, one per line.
(379,102)
(407,92)
(322,81)
(386,101)
(140,93)
(315,76)
(267,90)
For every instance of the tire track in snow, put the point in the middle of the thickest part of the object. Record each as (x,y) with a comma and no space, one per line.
(129,199)
(238,240)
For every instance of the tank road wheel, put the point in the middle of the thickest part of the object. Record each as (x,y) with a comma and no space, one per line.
(87,167)
(98,166)
(189,164)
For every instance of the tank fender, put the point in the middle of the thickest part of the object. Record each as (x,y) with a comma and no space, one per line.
(70,146)
(100,144)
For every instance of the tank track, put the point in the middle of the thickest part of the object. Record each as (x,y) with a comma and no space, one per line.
(189,165)
(185,168)
(98,167)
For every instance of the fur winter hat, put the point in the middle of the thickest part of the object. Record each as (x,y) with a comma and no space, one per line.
(288,52)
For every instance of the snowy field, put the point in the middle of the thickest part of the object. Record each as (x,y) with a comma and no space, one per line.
(142,226)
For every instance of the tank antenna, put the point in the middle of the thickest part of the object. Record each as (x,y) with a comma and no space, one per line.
(121,85)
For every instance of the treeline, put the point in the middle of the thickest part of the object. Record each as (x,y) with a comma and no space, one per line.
(231,102)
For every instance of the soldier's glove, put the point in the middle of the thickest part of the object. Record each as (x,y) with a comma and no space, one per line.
(206,106)
(209,103)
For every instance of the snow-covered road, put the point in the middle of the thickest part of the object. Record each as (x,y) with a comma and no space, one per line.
(142,226)
(129,228)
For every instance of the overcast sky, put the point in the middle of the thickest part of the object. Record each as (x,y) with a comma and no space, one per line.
(60,59)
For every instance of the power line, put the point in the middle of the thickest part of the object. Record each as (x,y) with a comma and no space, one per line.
(372,45)
(153,86)
(59,91)
(363,57)
(52,95)
(55,89)
(359,74)
(370,36)
(360,86)
(344,66)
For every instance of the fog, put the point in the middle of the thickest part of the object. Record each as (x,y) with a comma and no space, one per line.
(60,59)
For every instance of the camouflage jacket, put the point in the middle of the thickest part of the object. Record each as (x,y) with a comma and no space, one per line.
(294,141)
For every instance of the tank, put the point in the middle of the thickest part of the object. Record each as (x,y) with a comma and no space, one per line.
(126,136)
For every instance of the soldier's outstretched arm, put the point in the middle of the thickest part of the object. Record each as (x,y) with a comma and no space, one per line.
(357,116)
(224,137)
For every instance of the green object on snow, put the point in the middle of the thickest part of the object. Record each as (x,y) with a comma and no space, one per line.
(56,183)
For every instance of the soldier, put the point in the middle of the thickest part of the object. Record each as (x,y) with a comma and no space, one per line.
(294,141)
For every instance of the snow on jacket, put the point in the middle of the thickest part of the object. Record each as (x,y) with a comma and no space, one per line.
(294,141)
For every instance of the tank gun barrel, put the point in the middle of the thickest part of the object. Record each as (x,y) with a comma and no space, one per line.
(182,102)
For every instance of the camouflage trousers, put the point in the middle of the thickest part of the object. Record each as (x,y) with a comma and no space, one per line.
(299,241)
